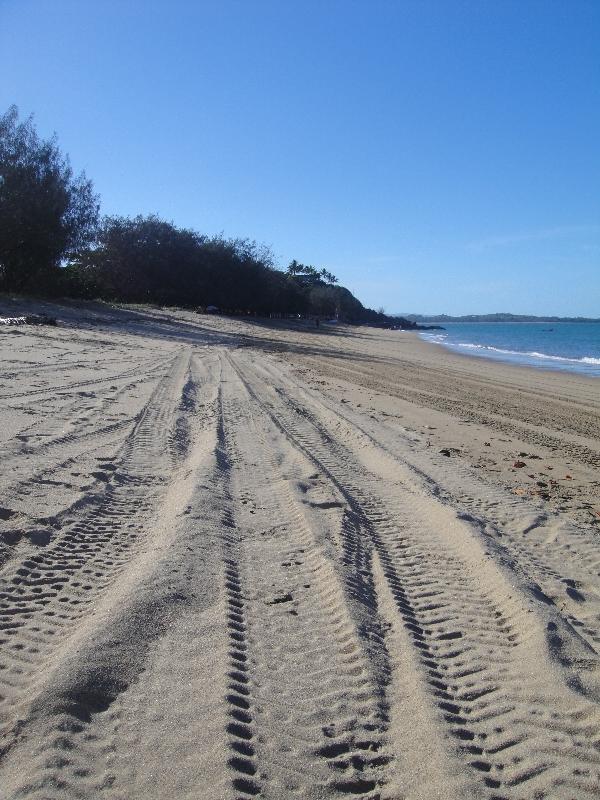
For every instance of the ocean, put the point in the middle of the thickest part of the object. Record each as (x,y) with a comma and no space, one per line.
(570,346)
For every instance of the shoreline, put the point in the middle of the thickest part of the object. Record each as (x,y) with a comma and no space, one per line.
(487,413)
(521,358)
(507,362)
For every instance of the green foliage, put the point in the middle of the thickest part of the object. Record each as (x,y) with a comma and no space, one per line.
(142,260)
(306,275)
(46,213)
(146,259)
(51,242)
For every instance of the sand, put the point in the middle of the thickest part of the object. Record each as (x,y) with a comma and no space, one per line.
(249,559)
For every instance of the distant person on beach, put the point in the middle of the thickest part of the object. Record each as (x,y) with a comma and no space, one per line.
(317,322)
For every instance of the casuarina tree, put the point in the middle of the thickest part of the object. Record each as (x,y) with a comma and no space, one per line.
(46,212)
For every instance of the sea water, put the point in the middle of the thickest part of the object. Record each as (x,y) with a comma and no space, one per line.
(571,346)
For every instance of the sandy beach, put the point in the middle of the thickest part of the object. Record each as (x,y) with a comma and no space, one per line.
(242,558)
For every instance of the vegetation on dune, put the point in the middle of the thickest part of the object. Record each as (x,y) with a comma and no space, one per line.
(46,213)
(53,242)
(148,260)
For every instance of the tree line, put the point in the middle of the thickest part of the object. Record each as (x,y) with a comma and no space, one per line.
(54,242)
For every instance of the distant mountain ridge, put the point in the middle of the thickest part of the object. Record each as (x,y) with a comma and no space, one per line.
(499,317)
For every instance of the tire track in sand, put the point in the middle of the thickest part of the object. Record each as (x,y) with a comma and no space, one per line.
(496,662)
(44,596)
(98,722)
(312,717)
(539,545)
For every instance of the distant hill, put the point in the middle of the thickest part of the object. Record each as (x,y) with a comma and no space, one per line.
(500,317)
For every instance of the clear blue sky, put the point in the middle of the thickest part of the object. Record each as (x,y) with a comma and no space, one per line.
(436,156)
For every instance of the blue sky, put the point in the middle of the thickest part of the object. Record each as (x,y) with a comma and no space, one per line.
(436,156)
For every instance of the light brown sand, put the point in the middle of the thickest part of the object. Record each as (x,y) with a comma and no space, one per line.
(236,564)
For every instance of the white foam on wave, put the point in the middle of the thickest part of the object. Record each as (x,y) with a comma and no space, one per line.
(441,339)
(438,338)
(530,354)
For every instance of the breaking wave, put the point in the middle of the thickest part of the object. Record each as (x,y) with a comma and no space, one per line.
(531,354)
(457,341)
